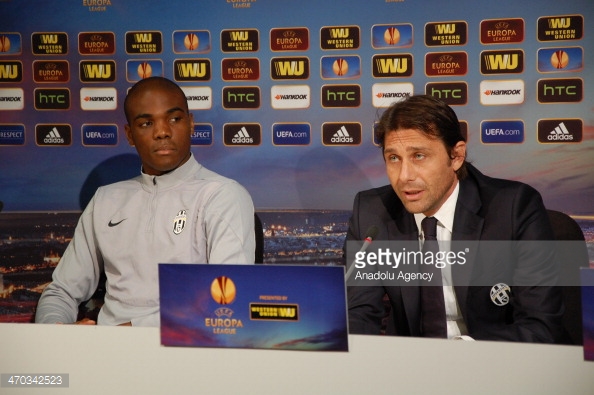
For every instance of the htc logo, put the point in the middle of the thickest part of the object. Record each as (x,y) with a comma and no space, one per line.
(452,93)
(341,96)
(241,97)
(52,99)
(561,90)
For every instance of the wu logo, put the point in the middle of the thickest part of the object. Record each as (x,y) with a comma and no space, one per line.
(449,28)
(8,71)
(49,38)
(500,62)
(143,37)
(191,69)
(94,71)
(391,65)
(339,33)
(239,36)
(295,68)
(559,23)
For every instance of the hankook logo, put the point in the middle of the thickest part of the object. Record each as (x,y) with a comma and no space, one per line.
(52,99)
(247,98)
(341,96)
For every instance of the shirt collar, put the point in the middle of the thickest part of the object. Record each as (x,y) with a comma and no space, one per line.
(445,214)
(173,177)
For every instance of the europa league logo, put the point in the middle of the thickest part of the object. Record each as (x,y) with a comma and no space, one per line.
(223,290)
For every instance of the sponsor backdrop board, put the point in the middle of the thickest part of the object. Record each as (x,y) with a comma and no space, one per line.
(285,96)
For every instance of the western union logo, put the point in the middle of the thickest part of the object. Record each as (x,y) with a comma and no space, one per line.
(143,37)
(198,70)
(289,68)
(239,35)
(144,42)
(560,28)
(339,32)
(274,312)
(94,71)
(239,40)
(448,28)
(451,33)
(502,62)
(392,66)
(11,72)
(559,23)
(49,43)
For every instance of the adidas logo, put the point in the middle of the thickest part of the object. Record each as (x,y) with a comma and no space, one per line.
(341,136)
(53,137)
(242,137)
(560,133)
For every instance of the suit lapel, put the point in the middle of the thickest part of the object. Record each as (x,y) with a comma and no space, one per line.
(468,226)
(404,228)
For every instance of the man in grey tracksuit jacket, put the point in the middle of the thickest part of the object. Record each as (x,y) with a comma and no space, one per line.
(176,211)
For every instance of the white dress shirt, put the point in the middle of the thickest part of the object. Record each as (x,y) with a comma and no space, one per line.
(456,327)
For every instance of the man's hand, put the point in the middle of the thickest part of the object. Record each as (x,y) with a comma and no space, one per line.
(86,321)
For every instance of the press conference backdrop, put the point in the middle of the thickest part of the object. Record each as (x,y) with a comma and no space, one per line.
(285,96)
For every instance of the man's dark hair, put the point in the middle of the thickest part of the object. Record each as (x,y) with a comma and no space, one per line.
(427,114)
(152,81)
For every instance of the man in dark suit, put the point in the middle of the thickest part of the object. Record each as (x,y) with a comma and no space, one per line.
(505,294)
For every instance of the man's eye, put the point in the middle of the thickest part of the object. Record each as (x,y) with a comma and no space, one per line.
(419,156)
(393,158)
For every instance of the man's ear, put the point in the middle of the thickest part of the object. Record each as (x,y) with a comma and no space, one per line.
(458,155)
(129,135)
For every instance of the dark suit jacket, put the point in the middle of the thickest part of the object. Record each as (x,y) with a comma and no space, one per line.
(487,209)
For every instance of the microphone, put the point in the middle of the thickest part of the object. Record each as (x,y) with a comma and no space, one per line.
(369,236)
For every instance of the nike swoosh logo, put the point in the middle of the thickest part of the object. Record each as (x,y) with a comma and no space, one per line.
(112,224)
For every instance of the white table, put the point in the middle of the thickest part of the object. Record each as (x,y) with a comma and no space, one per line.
(124,360)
